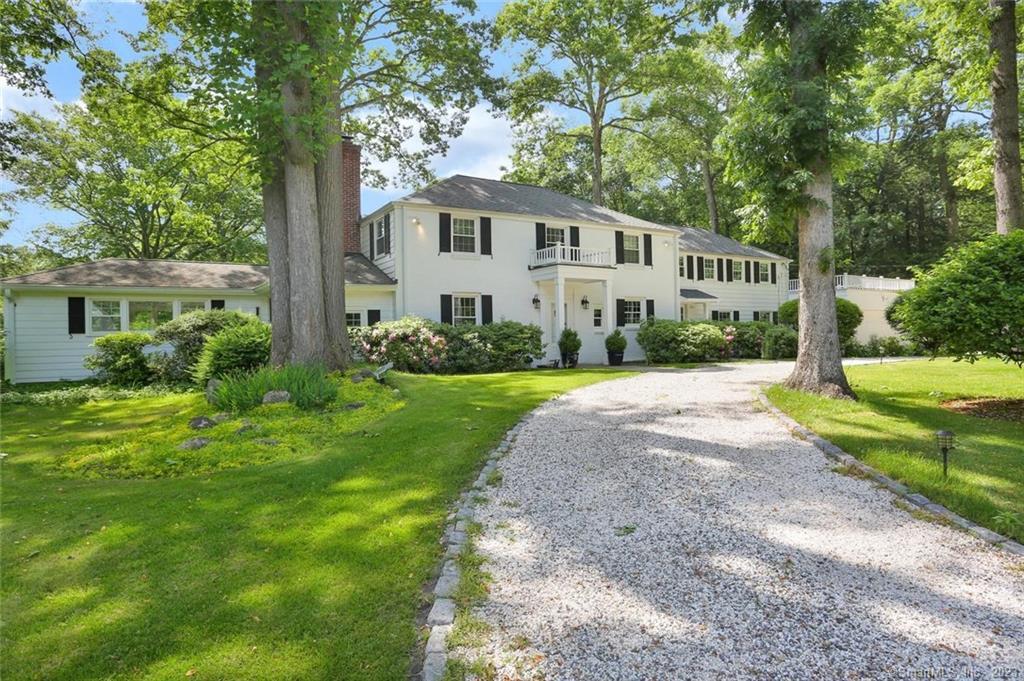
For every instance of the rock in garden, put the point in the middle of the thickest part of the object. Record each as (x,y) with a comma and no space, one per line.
(352,406)
(365,373)
(201,422)
(194,443)
(358,378)
(275,396)
(211,389)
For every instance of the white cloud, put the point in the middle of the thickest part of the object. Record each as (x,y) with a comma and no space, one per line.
(483,148)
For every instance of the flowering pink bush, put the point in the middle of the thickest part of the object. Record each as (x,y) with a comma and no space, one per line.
(410,343)
(730,336)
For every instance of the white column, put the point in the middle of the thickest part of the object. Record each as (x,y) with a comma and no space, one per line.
(559,306)
(609,307)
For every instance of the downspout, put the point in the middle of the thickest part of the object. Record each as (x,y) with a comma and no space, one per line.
(10,321)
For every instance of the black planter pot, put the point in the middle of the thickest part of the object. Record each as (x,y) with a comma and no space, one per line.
(570,360)
(614,358)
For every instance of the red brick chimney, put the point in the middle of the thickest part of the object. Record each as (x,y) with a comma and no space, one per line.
(351,179)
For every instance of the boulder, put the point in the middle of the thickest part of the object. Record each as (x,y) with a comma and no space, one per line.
(358,378)
(276,396)
(201,422)
(211,388)
(194,443)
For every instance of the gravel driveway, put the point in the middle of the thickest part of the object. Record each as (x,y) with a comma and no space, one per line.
(662,527)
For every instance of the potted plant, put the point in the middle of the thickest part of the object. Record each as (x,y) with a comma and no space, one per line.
(615,344)
(569,345)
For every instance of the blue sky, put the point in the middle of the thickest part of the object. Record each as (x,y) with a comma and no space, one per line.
(481,150)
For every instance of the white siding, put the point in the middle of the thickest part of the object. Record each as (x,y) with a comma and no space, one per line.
(385,261)
(42,349)
(740,295)
(872,303)
(363,298)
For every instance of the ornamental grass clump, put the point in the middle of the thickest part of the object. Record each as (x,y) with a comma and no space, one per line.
(309,387)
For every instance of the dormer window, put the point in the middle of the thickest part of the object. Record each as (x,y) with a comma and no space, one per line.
(463,235)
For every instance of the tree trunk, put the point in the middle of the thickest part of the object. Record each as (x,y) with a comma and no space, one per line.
(819,363)
(1005,117)
(332,246)
(597,183)
(709,193)
(275,217)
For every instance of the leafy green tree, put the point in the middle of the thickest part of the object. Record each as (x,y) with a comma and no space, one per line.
(140,189)
(971,304)
(590,57)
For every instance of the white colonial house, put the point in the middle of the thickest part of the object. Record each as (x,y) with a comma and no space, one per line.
(464,250)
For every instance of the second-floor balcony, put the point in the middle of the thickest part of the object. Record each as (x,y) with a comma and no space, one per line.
(864,282)
(560,254)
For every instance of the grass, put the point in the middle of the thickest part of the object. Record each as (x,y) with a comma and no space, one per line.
(891,428)
(306,566)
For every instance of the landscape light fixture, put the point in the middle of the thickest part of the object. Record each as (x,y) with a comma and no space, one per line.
(585,303)
(536,301)
(944,438)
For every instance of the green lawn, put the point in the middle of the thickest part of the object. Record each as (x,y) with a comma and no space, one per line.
(892,428)
(307,563)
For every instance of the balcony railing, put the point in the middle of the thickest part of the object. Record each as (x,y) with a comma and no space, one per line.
(864,282)
(560,254)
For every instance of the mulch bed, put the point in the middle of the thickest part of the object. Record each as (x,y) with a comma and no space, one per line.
(989,408)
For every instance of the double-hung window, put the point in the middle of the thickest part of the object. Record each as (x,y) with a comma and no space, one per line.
(380,246)
(737,270)
(554,236)
(353,319)
(105,315)
(463,310)
(709,268)
(631,312)
(146,315)
(682,266)
(631,248)
(463,235)
(762,271)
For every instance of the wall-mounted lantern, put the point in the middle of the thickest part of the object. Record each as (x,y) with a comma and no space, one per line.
(536,301)
(585,303)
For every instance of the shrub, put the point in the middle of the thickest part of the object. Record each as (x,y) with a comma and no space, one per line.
(780,342)
(237,349)
(848,316)
(80,394)
(971,304)
(657,337)
(187,334)
(411,344)
(502,346)
(119,359)
(667,341)
(615,342)
(569,342)
(309,386)
(749,339)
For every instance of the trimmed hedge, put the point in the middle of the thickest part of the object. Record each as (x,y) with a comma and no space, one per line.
(119,358)
(668,342)
(235,350)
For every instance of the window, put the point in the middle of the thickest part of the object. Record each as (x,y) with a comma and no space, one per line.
(598,318)
(631,248)
(381,238)
(192,306)
(631,312)
(762,272)
(463,235)
(765,315)
(554,236)
(146,315)
(709,268)
(682,266)
(463,310)
(737,270)
(105,315)
(353,319)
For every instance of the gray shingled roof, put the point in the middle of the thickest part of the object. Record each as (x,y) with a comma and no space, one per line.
(704,241)
(695,294)
(126,273)
(479,194)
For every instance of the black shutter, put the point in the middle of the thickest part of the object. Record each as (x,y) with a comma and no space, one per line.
(757,273)
(445,235)
(775,317)
(648,255)
(485,236)
(721,269)
(620,311)
(735,315)
(756,315)
(486,309)
(372,240)
(446,308)
(700,268)
(216,304)
(773,273)
(387,232)
(372,317)
(650,308)
(620,250)
(574,237)
(728,269)
(542,238)
(76,315)
(689,267)
(746,270)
